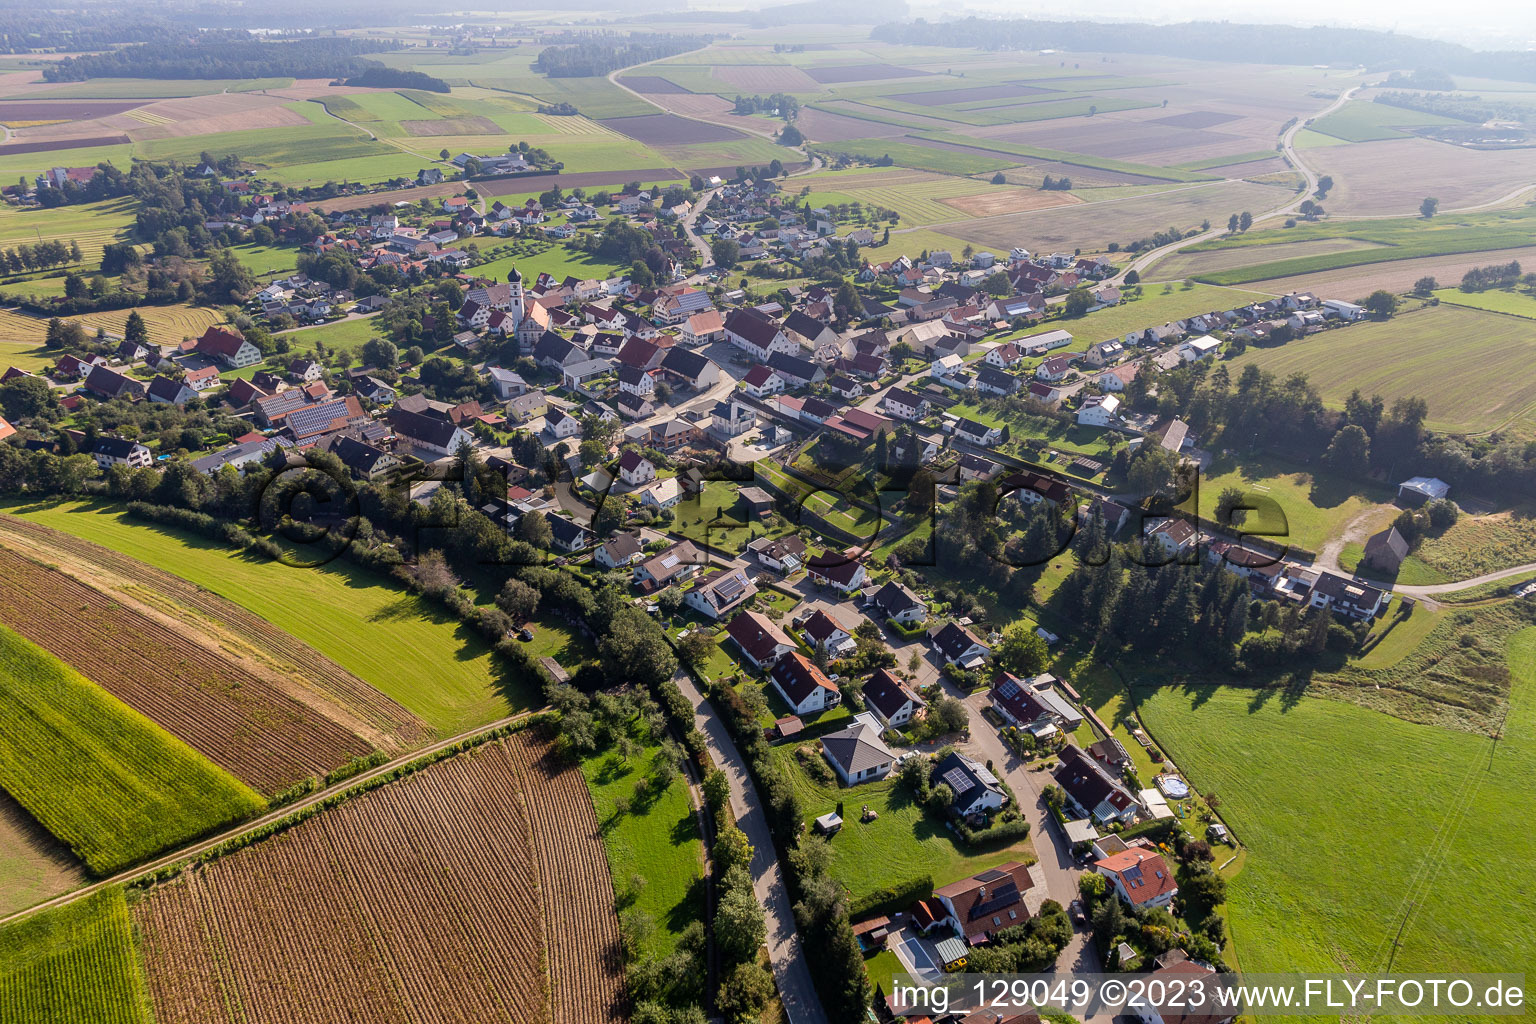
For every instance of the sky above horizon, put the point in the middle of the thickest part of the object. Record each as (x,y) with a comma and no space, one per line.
(1485,24)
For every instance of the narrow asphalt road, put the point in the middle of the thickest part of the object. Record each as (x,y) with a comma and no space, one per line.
(798,994)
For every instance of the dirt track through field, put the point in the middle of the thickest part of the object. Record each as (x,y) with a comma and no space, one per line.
(428,899)
(237,720)
(266,651)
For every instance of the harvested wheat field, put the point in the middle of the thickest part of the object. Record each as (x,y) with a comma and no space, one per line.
(1391,178)
(166,324)
(434,898)
(1395,276)
(1012,200)
(259,647)
(240,722)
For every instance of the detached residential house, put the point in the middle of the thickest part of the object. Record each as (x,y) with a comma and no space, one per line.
(891,700)
(560,424)
(1140,876)
(838,571)
(761,382)
(761,641)
(976,790)
(757,335)
(904,405)
(804,687)
(1099,411)
(635,469)
(677,563)
(619,552)
(978,434)
(1091,789)
(118,451)
(979,907)
(783,554)
(823,631)
(856,753)
(721,593)
(166,391)
(109,384)
(899,604)
(959,646)
(228,348)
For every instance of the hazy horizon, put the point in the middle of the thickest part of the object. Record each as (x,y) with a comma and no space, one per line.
(1484,24)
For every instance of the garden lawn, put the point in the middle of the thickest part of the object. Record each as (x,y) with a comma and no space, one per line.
(105,780)
(714,520)
(1471,366)
(348,335)
(862,853)
(1315,506)
(78,962)
(657,839)
(434,666)
(1364,829)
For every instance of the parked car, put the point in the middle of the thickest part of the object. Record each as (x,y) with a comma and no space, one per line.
(1078,914)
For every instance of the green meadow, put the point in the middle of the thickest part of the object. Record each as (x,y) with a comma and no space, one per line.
(434,666)
(1369,837)
(656,839)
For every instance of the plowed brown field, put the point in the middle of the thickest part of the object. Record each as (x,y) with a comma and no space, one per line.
(237,720)
(431,899)
(585,958)
(304,673)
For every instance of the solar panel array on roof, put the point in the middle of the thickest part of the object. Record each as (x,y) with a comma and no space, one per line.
(958,781)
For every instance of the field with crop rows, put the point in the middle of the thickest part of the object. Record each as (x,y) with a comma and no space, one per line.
(98,775)
(320,681)
(76,963)
(432,898)
(167,325)
(585,961)
(425,662)
(1478,381)
(240,722)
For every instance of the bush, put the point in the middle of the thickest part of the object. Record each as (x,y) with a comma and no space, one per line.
(893,898)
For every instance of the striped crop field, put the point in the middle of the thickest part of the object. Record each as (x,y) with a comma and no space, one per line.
(76,962)
(101,777)
(166,324)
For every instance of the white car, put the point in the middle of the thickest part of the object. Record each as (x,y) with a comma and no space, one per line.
(1046,635)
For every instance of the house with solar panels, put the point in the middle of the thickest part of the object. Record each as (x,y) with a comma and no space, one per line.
(718,595)
(976,790)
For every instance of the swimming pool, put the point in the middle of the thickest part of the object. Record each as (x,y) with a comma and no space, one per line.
(1173,787)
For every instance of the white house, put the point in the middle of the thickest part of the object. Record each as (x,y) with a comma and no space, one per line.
(561,424)
(1203,347)
(976,790)
(635,469)
(856,753)
(891,701)
(804,687)
(1140,876)
(904,404)
(1099,411)
(1343,310)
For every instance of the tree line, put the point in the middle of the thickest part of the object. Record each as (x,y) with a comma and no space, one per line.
(225,53)
(593,54)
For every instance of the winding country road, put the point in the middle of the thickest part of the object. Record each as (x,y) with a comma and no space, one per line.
(1288,148)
